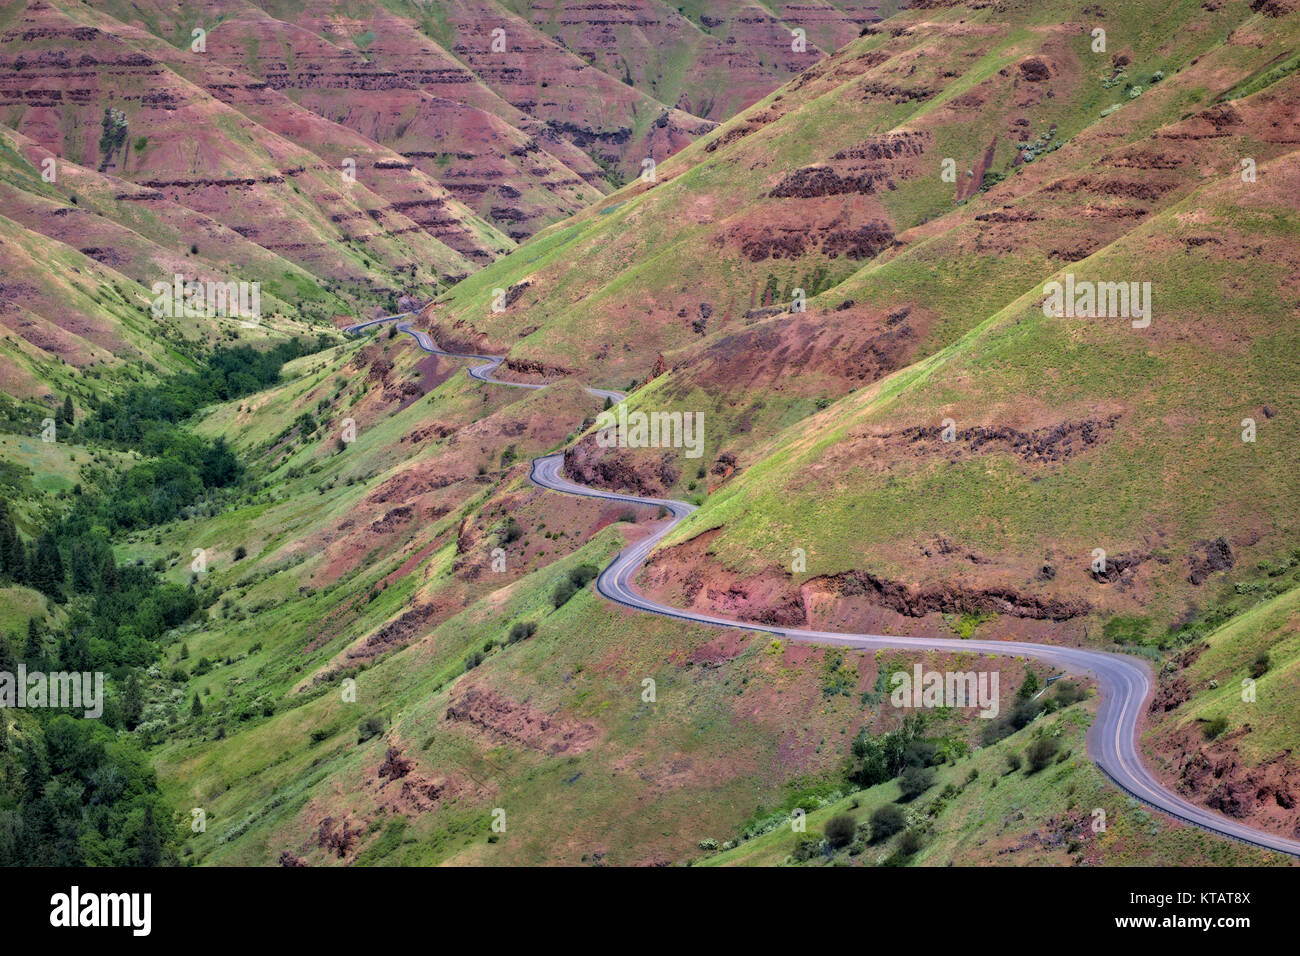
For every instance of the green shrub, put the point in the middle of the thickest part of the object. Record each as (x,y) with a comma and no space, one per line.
(1259,667)
(909,843)
(1214,727)
(807,848)
(572,583)
(372,726)
(1068,692)
(563,591)
(1040,753)
(1126,629)
(914,781)
(886,821)
(522,630)
(840,830)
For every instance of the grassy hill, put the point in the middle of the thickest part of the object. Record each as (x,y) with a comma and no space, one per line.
(364,633)
(983,812)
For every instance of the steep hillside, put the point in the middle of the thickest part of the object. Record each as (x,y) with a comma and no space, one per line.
(343,625)
(119,100)
(841,174)
(992,809)
(1004,517)
(1222,724)
(385,79)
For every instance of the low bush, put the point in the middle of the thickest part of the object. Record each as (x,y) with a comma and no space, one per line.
(914,781)
(886,821)
(1040,753)
(840,830)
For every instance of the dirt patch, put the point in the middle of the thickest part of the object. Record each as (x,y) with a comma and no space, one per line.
(1171,695)
(807,353)
(503,719)
(1053,443)
(976,179)
(1112,186)
(397,633)
(1034,70)
(397,785)
(392,520)
(878,91)
(587,463)
(432,432)
(1208,557)
(1213,774)
(687,575)
(725,647)
(1273,8)
(833,239)
(867,168)
(338,837)
(946,598)
(1119,567)
(411,483)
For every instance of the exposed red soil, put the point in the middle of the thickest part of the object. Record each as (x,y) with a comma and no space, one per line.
(686,575)
(398,632)
(485,711)
(587,463)
(398,785)
(833,238)
(1208,557)
(1212,773)
(867,168)
(1053,443)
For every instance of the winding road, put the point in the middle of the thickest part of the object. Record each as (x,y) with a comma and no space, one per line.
(1124,682)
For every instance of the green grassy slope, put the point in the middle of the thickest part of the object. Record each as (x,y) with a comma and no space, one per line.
(1173,471)
(368,560)
(982,812)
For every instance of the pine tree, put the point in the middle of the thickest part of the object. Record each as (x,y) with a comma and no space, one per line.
(34,650)
(150,847)
(68,412)
(108,574)
(82,564)
(47,567)
(196,709)
(74,652)
(132,702)
(9,543)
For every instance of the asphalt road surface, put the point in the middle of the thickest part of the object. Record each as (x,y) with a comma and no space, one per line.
(1124,682)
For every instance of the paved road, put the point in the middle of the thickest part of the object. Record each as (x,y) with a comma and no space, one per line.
(1124,682)
(482,373)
